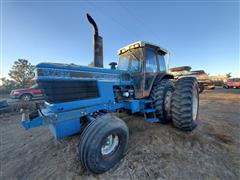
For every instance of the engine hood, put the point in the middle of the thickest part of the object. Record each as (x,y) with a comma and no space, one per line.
(56,70)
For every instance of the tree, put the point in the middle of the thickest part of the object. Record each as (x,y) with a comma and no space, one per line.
(22,73)
(9,85)
(228,75)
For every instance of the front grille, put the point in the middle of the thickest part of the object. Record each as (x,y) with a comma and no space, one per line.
(57,91)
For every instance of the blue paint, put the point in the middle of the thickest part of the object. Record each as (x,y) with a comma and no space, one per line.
(133,105)
(67,122)
(149,110)
(65,128)
(68,67)
(152,120)
(63,119)
(27,124)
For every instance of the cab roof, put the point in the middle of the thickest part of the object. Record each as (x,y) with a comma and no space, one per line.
(142,44)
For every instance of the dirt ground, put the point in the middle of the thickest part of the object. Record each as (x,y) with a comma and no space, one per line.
(155,151)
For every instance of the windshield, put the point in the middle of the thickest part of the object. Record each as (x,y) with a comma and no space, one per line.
(131,60)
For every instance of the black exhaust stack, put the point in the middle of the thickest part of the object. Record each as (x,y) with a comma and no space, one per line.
(97,44)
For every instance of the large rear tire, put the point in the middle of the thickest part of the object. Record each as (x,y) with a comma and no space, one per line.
(161,95)
(185,103)
(103,143)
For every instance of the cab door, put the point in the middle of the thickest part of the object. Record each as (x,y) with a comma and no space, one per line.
(137,77)
(151,70)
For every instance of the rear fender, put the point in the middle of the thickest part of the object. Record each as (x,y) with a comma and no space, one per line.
(162,76)
(157,79)
(148,81)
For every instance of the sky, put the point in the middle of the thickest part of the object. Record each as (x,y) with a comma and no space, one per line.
(202,34)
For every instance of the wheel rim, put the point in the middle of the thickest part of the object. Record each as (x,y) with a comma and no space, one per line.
(195,104)
(110,144)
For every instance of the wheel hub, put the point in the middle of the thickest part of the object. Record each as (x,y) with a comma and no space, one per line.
(110,144)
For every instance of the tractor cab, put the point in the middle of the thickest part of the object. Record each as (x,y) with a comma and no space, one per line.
(144,61)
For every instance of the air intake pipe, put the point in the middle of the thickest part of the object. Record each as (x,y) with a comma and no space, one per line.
(97,44)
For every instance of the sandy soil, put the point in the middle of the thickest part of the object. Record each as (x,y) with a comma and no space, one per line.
(155,151)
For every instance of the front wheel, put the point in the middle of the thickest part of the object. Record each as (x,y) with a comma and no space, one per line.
(185,103)
(103,143)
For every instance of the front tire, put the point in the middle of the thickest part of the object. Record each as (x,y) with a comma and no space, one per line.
(185,103)
(103,143)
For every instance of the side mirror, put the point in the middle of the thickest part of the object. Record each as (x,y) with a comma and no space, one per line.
(112,65)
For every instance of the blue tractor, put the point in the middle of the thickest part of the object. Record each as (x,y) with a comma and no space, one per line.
(81,99)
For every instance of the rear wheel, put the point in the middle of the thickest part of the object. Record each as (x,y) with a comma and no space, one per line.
(103,143)
(185,103)
(161,95)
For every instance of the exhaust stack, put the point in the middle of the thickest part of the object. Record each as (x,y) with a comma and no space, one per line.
(97,44)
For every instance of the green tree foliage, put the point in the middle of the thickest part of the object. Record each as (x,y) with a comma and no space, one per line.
(22,73)
(8,85)
(228,75)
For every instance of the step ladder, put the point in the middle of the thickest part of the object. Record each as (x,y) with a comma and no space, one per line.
(149,111)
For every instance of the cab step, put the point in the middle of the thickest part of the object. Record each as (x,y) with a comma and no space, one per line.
(152,120)
(149,111)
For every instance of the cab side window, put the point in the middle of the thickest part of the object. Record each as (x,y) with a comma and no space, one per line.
(161,62)
(151,65)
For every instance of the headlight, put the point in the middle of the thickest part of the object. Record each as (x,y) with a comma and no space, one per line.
(126,94)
